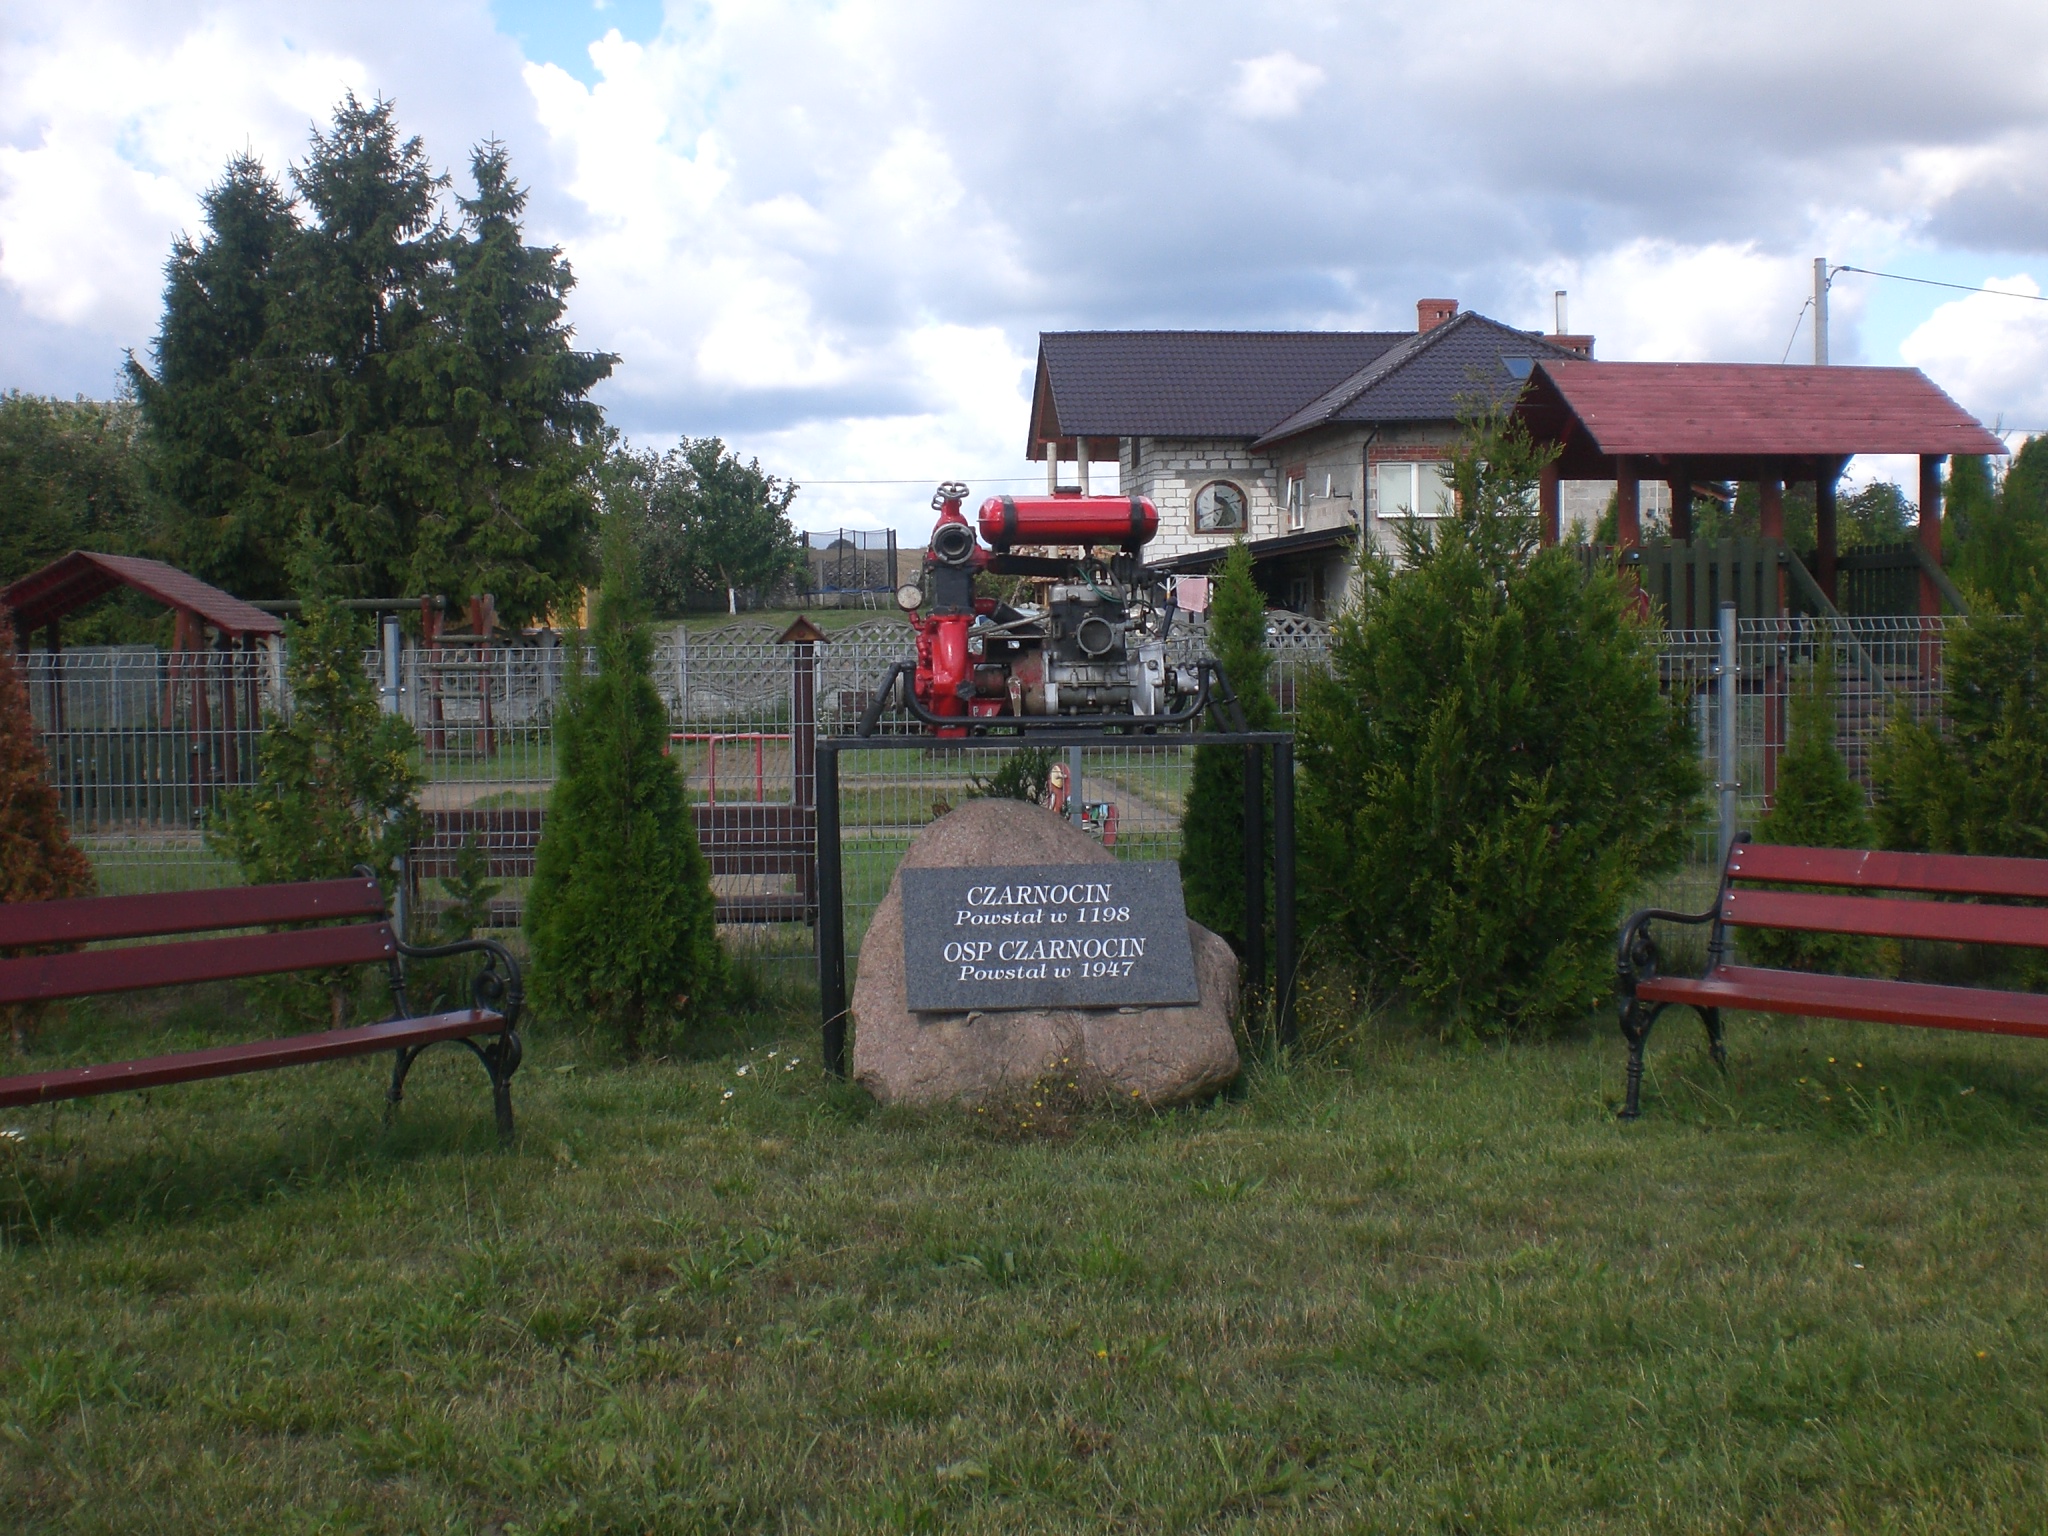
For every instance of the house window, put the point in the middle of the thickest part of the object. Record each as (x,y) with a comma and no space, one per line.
(1220,508)
(1297,503)
(1417,489)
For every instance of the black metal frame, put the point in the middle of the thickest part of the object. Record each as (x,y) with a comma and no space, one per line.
(489,992)
(832,994)
(1636,960)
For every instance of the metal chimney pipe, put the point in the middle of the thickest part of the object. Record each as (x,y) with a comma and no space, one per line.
(1562,327)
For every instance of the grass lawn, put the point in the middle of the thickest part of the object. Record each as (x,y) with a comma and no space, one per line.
(1424,1288)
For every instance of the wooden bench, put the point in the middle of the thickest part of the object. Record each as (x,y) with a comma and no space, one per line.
(742,840)
(1840,901)
(352,931)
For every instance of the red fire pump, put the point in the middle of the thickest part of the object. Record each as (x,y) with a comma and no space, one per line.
(1091,641)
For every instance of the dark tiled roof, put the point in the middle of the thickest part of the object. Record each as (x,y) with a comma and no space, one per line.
(1194,383)
(1429,377)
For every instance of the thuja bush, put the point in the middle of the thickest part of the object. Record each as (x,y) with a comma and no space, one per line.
(1816,805)
(620,916)
(334,788)
(1212,827)
(1489,769)
(1979,785)
(38,860)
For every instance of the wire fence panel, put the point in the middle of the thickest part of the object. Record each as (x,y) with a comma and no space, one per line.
(141,744)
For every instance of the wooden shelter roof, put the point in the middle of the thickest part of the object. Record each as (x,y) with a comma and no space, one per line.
(1740,420)
(68,584)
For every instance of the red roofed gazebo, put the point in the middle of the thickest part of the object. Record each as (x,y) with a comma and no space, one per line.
(40,600)
(1684,423)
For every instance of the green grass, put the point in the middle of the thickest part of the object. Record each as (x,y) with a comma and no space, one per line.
(1422,1288)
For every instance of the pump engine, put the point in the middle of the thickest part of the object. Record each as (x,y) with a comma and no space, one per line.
(1088,641)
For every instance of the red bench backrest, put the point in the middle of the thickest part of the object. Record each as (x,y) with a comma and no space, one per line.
(1841,871)
(131,967)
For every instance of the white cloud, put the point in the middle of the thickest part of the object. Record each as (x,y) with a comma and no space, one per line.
(1274,85)
(1991,353)
(1652,299)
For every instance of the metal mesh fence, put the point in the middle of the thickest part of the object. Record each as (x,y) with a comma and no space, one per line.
(141,744)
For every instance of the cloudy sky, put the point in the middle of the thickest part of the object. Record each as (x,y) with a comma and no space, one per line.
(831,232)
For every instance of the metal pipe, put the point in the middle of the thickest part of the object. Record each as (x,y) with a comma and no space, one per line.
(1725,686)
(831,914)
(1283,890)
(1254,867)
(1077,811)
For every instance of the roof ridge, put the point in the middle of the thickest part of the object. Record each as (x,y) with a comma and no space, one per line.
(1340,396)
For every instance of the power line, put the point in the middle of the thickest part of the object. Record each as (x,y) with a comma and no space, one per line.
(1929,282)
(1797,321)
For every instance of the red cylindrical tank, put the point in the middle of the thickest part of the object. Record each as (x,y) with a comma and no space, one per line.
(1127,521)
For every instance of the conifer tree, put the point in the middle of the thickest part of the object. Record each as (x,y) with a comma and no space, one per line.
(38,860)
(213,403)
(1817,805)
(514,514)
(1489,768)
(1212,827)
(341,355)
(620,916)
(335,786)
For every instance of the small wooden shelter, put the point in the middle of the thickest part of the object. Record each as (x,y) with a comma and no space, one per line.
(210,704)
(1689,423)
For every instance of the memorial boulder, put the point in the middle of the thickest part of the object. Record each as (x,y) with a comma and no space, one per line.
(1011,947)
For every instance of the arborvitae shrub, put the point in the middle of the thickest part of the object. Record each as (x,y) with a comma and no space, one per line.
(620,916)
(1980,785)
(1489,769)
(1212,827)
(335,785)
(1817,805)
(38,860)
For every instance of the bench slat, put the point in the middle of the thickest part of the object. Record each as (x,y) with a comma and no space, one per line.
(83,973)
(1877,917)
(1855,997)
(228,1060)
(1934,874)
(81,919)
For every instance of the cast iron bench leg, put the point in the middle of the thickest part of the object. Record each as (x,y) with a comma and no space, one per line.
(500,1059)
(1636,1019)
(1717,1047)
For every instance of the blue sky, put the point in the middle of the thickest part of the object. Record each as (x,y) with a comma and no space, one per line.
(830,232)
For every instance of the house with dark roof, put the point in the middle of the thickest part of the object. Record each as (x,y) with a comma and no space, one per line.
(1298,442)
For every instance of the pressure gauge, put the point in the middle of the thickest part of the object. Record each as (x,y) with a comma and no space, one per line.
(909,597)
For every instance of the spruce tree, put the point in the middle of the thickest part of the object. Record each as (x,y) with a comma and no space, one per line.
(214,406)
(38,860)
(1489,769)
(620,916)
(1817,805)
(515,514)
(341,358)
(1212,827)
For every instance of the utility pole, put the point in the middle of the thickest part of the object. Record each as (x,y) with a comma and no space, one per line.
(1820,311)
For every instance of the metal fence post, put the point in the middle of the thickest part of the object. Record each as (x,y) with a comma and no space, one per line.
(831,914)
(1254,866)
(1283,890)
(1725,675)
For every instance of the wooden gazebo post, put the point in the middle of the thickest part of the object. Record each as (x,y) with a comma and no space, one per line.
(1930,527)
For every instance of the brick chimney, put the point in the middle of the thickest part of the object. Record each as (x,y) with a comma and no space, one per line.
(1431,313)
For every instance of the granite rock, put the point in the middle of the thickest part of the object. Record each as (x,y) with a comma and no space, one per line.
(1151,1056)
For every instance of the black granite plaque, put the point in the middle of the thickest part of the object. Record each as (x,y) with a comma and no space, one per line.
(1046,936)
